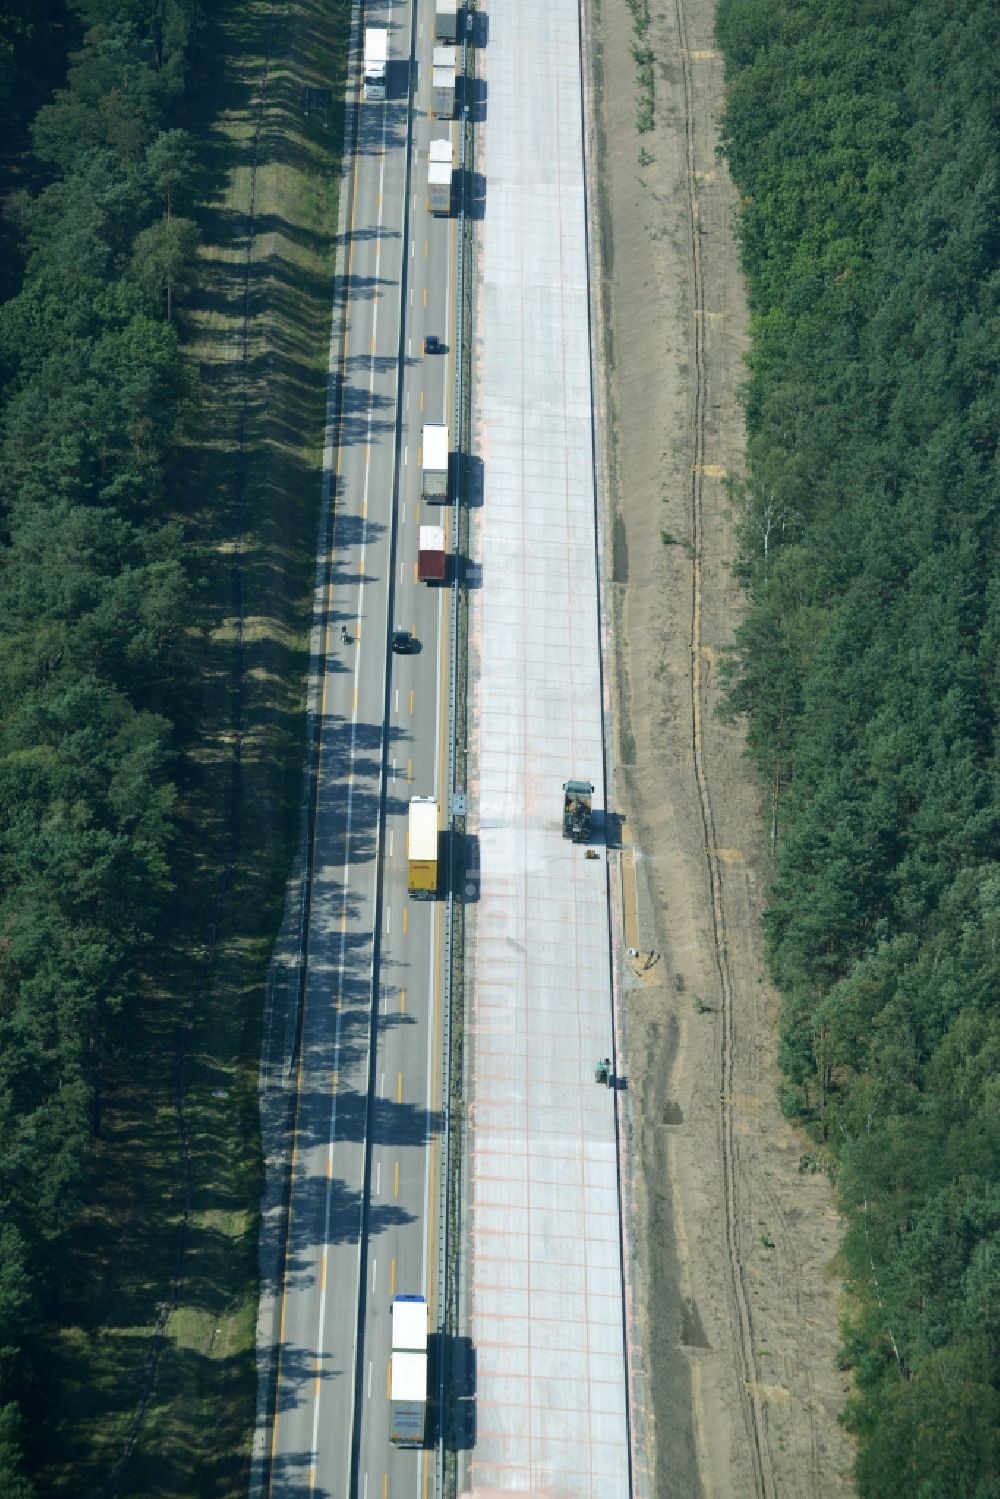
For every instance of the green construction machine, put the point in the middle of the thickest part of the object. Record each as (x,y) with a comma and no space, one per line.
(577,810)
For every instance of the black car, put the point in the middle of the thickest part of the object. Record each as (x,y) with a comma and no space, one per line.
(403,642)
(433,345)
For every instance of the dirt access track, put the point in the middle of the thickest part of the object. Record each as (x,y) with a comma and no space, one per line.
(736,1306)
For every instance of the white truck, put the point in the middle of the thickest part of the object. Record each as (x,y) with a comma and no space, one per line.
(434,461)
(443,82)
(440,167)
(446,21)
(408,1372)
(376,57)
(422,845)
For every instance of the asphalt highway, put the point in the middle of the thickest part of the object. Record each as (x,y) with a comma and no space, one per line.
(366,1153)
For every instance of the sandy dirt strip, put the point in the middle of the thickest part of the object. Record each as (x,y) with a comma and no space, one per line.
(738,1292)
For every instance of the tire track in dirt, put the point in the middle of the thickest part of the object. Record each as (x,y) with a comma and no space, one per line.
(741,1317)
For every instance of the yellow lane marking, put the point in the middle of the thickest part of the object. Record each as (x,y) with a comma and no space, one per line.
(395,1180)
(371,342)
(406,919)
(402,1001)
(425,296)
(425,249)
(421,400)
(355,700)
(409,770)
(399,1087)
(417,521)
(411,699)
(415,578)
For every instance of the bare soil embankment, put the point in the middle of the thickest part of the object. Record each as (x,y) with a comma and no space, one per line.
(737,1293)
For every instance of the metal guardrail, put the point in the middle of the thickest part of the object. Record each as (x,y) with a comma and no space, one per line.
(456,813)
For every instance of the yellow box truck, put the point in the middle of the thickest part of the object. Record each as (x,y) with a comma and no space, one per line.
(422,847)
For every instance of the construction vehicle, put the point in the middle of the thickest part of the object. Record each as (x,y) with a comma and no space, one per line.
(408,1372)
(446,21)
(443,82)
(440,167)
(578,804)
(376,58)
(431,559)
(434,462)
(422,847)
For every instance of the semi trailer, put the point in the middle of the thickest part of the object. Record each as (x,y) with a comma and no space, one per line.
(443,82)
(422,846)
(431,558)
(376,58)
(446,21)
(434,462)
(440,168)
(408,1372)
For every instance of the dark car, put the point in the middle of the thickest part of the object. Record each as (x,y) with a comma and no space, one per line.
(433,345)
(403,642)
